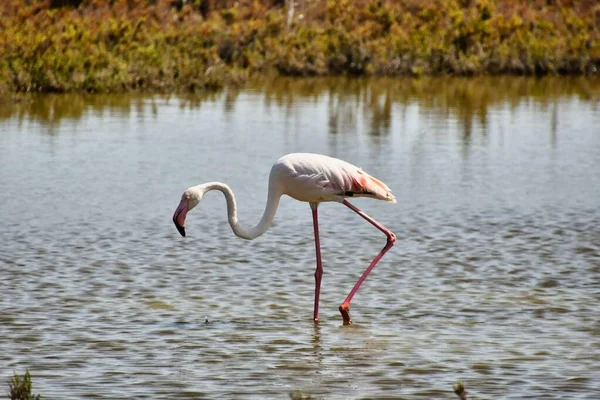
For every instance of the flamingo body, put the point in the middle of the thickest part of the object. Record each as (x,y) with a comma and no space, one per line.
(306,177)
(316,178)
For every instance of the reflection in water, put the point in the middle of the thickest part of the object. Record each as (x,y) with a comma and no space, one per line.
(317,344)
(469,99)
(230,99)
(51,109)
(466,99)
(351,98)
(554,125)
(368,108)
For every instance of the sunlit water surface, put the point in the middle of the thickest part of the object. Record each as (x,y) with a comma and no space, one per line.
(494,280)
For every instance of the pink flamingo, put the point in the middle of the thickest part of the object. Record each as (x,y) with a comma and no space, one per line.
(312,178)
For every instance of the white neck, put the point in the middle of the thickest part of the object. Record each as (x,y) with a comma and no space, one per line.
(265,222)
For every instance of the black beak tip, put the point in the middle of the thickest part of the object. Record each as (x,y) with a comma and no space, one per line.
(181,230)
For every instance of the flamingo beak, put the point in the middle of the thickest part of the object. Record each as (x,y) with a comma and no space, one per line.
(179,216)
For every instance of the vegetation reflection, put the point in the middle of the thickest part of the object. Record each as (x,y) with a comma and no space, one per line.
(468,100)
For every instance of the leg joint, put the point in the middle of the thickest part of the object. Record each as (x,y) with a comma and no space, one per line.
(318,273)
(391,238)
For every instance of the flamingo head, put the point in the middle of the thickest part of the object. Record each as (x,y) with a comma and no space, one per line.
(190,199)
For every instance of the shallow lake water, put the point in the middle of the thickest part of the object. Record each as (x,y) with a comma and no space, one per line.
(494,279)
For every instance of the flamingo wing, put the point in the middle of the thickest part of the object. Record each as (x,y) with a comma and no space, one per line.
(364,184)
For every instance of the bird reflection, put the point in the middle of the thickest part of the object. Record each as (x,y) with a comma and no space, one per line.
(317,344)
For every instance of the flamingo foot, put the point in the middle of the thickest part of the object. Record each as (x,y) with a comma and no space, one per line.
(345,311)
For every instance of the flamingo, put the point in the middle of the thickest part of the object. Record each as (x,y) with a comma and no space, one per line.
(311,178)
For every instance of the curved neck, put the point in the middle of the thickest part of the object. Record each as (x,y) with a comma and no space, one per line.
(264,223)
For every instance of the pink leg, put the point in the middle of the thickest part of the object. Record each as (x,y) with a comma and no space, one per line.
(319,270)
(391,238)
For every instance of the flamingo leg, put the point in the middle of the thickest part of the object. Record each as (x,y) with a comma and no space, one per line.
(391,239)
(319,270)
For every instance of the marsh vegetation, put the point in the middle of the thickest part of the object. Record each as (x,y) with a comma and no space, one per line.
(166,45)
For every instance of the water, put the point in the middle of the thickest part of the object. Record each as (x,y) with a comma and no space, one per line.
(494,280)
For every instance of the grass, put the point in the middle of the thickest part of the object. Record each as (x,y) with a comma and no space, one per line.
(169,45)
(21,387)
(459,390)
